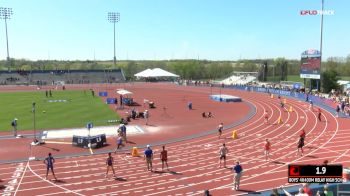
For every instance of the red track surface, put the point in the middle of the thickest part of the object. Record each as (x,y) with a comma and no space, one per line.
(194,163)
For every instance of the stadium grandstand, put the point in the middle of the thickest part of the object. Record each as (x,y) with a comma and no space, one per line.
(240,78)
(54,77)
(290,85)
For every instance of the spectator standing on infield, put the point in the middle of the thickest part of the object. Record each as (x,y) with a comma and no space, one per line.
(267,149)
(237,169)
(149,157)
(46,93)
(50,93)
(49,161)
(164,158)
(222,152)
(146,116)
(220,129)
(14,126)
(109,163)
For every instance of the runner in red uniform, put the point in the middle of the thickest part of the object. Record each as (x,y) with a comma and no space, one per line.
(303,133)
(319,114)
(267,149)
(266,116)
(164,158)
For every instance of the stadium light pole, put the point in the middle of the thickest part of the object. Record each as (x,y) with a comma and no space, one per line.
(321,37)
(35,141)
(5,13)
(114,17)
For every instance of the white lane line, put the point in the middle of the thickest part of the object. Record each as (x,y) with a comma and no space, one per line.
(20,181)
(253,167)
(214,171)
(53,184)
(141,161)
(174,147)
(336,130)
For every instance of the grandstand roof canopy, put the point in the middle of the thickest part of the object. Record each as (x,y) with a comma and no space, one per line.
(155,73)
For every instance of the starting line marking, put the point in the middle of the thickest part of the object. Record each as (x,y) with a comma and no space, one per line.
(15,181)
(53,184)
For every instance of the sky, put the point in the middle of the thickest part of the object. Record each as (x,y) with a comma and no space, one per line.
(172,29)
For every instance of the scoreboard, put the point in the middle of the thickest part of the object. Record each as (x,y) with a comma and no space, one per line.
(315,173)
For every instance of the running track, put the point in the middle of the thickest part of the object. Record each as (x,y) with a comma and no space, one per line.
(194,163)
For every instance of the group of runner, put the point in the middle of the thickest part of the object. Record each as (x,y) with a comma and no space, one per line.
(223,151)
(148,156)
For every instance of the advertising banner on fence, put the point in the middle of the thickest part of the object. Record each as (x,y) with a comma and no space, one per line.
(310,64)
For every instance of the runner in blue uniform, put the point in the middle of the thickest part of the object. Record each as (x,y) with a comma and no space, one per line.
(49,161)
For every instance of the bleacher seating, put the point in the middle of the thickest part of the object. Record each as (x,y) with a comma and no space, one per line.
(231,80)
(246,79)
(51,77)
(241,79)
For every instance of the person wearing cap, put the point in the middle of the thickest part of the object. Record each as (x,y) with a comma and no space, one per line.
(148,155)
(14,125)
(237,169)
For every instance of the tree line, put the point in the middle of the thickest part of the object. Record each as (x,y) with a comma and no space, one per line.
(278,68)
(187,69)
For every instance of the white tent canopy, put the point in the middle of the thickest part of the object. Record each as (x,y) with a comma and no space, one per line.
(144,73)
(123,92)
(155,73)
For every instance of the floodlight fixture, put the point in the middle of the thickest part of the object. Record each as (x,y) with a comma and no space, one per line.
(114,17)
(5,14)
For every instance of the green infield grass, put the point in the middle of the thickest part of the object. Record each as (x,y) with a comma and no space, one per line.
(79,109)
